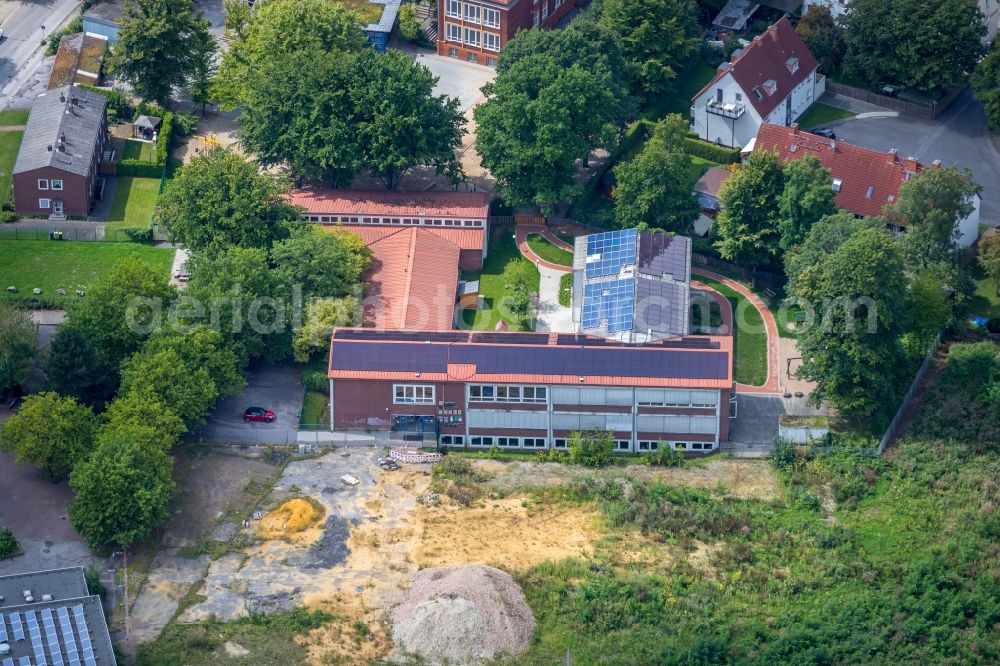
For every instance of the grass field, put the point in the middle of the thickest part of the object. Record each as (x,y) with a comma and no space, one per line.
(14,117)
(491,286)
(50,265)
(688,83)
(750,343)
(315,409)
(133,204)
(549,252)
(985,302)
(139,150)
(821,114)
(10,142)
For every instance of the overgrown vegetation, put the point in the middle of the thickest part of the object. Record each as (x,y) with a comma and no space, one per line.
(566,290)
(8,544)
(459,479)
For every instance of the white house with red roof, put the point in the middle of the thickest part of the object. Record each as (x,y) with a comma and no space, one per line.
(772,80)
(866,181)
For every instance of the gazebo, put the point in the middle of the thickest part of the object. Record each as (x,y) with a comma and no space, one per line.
(146,127)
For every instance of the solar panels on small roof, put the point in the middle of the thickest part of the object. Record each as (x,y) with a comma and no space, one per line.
(609,252)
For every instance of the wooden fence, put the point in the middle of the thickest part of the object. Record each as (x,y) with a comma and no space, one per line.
(927,112)
(765,279)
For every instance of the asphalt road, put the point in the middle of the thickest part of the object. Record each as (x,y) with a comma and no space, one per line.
(274,387)
(20,51)
(959,137)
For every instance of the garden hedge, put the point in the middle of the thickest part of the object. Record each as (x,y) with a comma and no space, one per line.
(711,151)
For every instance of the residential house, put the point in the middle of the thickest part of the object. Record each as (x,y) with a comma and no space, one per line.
(476,30)
(866,181)
(103,18)
(630,286)
(529,391)
(54,613)
(773,80)
(56,168)
(989,8)
(459,217)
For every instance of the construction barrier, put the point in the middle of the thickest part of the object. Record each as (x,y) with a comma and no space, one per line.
(414,456)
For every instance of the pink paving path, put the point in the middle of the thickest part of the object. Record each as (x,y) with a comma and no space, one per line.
(770,327)
(521,233)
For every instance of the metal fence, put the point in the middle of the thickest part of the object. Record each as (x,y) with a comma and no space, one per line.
(891,431)
(74,233)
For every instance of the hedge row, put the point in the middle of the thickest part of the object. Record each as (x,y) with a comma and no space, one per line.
(711,151)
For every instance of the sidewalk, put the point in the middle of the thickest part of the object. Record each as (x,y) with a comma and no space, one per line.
(552,317)
(521,233)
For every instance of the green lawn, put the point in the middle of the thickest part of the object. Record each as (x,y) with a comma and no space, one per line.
(139,150)
(367,11)
(821,114)
(750,343)
(10,142)
(566,290)
(985,302)
(14,117)
(491,287)
(132,206)
(698,166)
(315,409)
(549,252)
(50,265)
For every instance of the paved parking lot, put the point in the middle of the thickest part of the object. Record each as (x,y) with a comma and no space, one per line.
(274,387)
(457,78)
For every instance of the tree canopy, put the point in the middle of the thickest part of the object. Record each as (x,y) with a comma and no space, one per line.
(823,37)
(653,187)
(989,259)
(160,46)
(220,199)
(49,431)
(806,197)
(986,83)
(322,263)
(823,239)
(76,367)
(17,346)
(321,316)
(143,417)
(173,378)
(749,215)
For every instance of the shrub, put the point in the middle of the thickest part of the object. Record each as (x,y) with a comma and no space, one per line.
(93,577)
(139,234)
(313,380)
(74,26)
(409,27)
(8,544)
(711,151)
(663,457)
(593,449)
(184,123)
(608,604)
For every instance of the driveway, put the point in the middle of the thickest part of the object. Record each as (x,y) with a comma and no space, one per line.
(756,423)
(274,387)
(959,137)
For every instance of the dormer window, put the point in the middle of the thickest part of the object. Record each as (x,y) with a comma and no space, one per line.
(771,86)
(792,64)
(837,182)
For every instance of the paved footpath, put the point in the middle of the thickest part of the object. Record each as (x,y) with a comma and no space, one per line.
(771,328)
(521,233)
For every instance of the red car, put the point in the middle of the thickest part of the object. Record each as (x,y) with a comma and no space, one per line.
(258,414)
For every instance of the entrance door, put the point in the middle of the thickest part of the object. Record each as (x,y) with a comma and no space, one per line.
(57,207)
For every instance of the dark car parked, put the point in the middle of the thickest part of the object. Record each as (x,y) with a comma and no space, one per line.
(825,131)
(258,414)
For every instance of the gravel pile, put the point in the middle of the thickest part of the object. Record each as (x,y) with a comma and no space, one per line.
(460,615)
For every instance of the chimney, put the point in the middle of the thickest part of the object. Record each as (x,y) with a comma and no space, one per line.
(74,101)
(893,155)
(795,128)
(62,137)
(910,164)
(62,147)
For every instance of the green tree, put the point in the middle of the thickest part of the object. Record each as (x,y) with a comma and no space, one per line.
(854,354)
(17,346)
(237,17)
(322,315)
(203,348)
(121,309)
(824,238)
(989,259)
(824,38)
(520,280)
(537,121)
(203,67)
(121,492)
(653,187)
(593,449)
(929,206)
(143,417)
(156,44)
(220,199)
(928,45)
(167,375)
(75,367)
(49,431)
(324,264)
(929,313)
(275,29)
(409,26)
(807,197)
(986,83)
(748,225)
(658,36)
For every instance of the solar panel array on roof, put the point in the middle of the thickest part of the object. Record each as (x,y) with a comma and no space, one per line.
(608,252)
(406,336)
(15,626)
(663,255)
(8,662)
(509,339)
(610,301)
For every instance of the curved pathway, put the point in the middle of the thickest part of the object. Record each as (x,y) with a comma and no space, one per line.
(771,328)
(521,233)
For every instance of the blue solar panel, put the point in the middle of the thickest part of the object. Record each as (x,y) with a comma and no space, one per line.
(612,301)
(608,252)
(8,662)
(3,629)
(15,626)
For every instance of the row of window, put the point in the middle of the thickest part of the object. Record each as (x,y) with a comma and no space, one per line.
(55,184)
(561,443)
(473,13)
(402,221)
(471,37)
(471,56)
(412,394)
(494,393)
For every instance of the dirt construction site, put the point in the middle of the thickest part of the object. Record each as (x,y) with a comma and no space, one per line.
(353,550)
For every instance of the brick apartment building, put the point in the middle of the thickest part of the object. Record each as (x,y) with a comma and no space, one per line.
(531,390)
(476,31)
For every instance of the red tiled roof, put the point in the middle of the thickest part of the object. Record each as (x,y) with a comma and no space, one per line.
(858,169)
(466,205)
(712,181)
(411,280)
(765,59)
(466,239)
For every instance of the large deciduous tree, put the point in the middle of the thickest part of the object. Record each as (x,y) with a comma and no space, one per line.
(220,199)
(928,45)
(322,315)
(823,239)
(653,187)
(49,431)
(17,346)
(121,492)
(143,417)
(76,367)
(324,264)
(807,197)
(986,83)
(657,36)
(173,378)
(749,216)
(824,37)
(159,46)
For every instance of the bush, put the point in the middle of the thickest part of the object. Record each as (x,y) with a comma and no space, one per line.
(8,544)
(184,123)
(409,27)
(566,290)
(139,169)
(93,577)
(711,151)
(314,380)
(139,234)
(74,26)
(593,449)
(664,457)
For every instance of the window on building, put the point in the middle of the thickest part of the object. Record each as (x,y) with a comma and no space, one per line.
(491,17)
(452,440)
(43,184)
(491,42)
(453,52)
(696,446)
(545,9)
(534,443)
(56,184)
(534,19)
(472,37)
(471,13)
(837,182)
(412,394)
(44,203)
(508,442)
(481,441)
(454,9)
(491,62)
(472,57)
(758,93)
(558,4)
(792,64)
(739,97)
(868,194)
(505,393)
(648,445)
(680,446)
(622,445)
